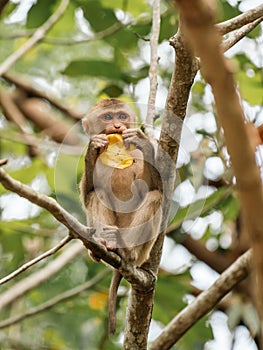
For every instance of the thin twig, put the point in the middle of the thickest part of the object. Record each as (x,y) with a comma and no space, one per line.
(36,37)
(54,301)
(66,41)
(240,34)
(98,36)
(241,20)
(26,266)
(36,278)
(153,67)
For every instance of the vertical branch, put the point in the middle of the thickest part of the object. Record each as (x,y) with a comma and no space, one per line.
(153,67)
(183,76)
(185,69)
(36,37)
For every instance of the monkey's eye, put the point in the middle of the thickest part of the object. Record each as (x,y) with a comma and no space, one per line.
(107,117)
(123,116)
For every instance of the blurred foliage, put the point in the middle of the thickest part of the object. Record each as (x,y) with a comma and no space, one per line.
(78,73)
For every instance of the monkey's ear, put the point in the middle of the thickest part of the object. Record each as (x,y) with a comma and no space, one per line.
(85,124)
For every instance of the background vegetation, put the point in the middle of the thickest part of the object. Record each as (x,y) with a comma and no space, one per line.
(98,49)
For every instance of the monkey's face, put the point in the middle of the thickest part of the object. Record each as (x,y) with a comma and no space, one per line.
(109,117)
(113,122)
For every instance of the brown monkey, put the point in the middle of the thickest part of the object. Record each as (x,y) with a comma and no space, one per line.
(122,200)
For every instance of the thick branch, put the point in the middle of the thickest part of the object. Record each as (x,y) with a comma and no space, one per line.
(36,37)
(54,301)
(203,303)
(241,20)
(203,36)
(27,265)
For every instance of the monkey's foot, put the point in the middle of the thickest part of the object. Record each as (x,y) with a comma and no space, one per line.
(108,237)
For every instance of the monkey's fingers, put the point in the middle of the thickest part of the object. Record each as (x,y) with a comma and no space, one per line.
(110,233)
(133,132)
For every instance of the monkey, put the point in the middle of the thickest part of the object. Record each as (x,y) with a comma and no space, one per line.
(122,203)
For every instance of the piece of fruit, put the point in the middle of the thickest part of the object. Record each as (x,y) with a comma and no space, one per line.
(116,155)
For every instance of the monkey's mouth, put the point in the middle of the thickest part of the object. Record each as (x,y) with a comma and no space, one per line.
(114,131)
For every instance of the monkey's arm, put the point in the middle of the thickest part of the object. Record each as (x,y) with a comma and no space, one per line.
(142,142)
(98,144)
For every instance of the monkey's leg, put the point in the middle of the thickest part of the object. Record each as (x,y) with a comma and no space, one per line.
(140,231)
(103,219)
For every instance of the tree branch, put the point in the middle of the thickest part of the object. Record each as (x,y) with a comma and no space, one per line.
(40,276)
(54,301)
(140,278)
(153,67)
(203,303)
(175,110)
(239,34)
(202,35)
(22,82)
(241,20)
(36,37)
(27,265)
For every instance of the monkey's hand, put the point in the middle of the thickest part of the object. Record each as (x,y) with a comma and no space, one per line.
(98,143)
(134,136)
(137,138)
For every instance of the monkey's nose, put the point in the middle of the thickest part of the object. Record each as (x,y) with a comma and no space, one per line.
(117,126)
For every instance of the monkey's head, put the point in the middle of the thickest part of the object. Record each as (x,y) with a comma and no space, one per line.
(109,116)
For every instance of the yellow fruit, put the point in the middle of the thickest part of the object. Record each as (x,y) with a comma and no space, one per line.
(116,155)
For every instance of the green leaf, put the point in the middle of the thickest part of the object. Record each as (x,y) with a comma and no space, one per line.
(170,291)
(112,90)
(8,9)
(94,68)
(39,13)
(168,27)
(227,11)
(135,7)
(99,17)
(250,87)
(255,33)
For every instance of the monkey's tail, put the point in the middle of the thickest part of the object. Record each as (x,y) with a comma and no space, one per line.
(115,282)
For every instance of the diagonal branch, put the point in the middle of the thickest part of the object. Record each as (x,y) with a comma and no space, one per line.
(36,37)
(54,301)
(203,303)
(240,34)
(36,278)
(22,82)
(241,20)
(140,278)
(27,265)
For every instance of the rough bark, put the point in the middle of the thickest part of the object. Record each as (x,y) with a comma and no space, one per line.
(198,18)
